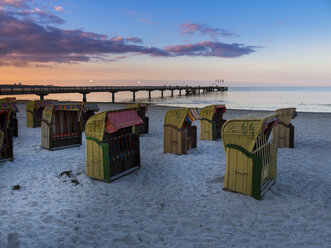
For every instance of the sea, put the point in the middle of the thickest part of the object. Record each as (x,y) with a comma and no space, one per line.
(305,99)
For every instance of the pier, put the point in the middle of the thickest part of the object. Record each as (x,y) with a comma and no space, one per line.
(42,90)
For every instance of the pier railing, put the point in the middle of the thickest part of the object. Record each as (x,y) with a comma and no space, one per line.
(42,90)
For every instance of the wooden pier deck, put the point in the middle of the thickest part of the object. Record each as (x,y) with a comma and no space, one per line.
(42,90)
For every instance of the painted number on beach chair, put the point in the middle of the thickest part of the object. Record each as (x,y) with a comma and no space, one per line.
(247,131)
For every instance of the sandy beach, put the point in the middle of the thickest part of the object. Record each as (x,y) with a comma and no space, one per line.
(172,201)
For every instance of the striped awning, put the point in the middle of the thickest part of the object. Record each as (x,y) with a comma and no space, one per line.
(67,107)
(90,107)
(192,115)
(43,103)
(9,105)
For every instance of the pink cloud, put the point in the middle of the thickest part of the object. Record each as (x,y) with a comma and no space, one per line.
(58,8)
(121,57)
(14,3)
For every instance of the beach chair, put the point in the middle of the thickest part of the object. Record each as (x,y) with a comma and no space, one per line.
(10,103)
(211,122)
(61,127)
(88,110)
(178,133)
(283,133)
(141,109)
(34,111)
(251,161)
(112,149)
(6,136)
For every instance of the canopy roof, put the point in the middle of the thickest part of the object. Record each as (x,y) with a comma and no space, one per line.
(286,115)
(176,117)
(90,107)
(245,130)
(50,109)
(209,111)
(121,119)
(37,104)
(9,105)
(111,121)
(74,107)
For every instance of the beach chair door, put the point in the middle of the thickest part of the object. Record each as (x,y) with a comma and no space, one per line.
(207,130)
(238,175)
(97,160)
(174,140)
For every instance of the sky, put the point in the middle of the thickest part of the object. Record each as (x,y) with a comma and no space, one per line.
(246,43)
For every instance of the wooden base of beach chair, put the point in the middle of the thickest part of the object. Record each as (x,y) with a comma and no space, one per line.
(64,147)
(65,142)
(6,159)
(124,173)
(267,185)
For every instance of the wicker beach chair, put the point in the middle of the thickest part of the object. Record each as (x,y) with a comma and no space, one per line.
(141,109)
(251,161)
(212,122)
(10,103)
(34,111)
(6,136)
(61,127)
(283,133)
(88,110)
(178,133)
(112,149)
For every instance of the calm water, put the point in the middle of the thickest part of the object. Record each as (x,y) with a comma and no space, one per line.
(305,99)
(262,98)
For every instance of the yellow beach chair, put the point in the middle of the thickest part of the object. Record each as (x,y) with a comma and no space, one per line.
(178,133)
(283,133)
(251,161)
(112,149)
(212,122)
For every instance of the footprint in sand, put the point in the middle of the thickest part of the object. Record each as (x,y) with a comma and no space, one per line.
(3,212)
(13,241)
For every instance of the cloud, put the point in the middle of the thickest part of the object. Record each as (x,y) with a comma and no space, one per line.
(14,3)
(58,8)
(135,40)
(203,29)
(40,16)
(43,66)
(209,48)
(28,36)
(23,41)
(121,57)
